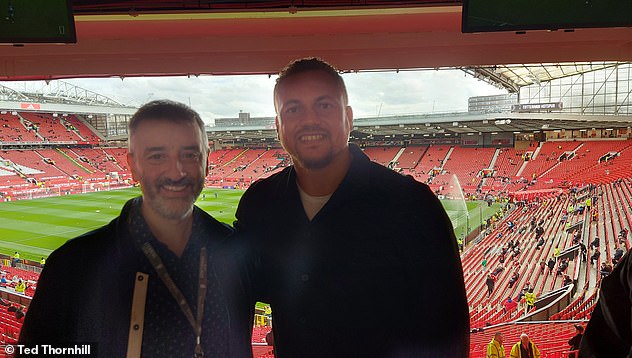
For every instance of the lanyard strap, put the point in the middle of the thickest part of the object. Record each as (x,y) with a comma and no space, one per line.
(160,268)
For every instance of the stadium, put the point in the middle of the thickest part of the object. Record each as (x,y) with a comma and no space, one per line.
(550,159)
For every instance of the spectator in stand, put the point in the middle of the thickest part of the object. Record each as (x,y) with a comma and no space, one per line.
(540,244)
(556,252)
(490,282)
(15,259)
(513,279)
(542,267)
(595,215)
(523,292)
(497,271)
(495,348)
(575,341)
(605,270)
(584,251)
(567,280)
(509,305)
(595,257)
(539,231)
(350,235)
(623,237)
(595,243)
(551,264)
(163,277)
(563,218)
(529,298)
(580,209)
(20,287)
(484,264)
(524,349)
(19,314)
(562,267)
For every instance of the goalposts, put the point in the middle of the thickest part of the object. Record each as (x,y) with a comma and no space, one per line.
(36,193)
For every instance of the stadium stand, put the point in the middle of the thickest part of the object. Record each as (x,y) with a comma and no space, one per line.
(432,160)
(466,164)
(410,157)
(382,155)
(15,130)
(49,128)
(99,161)
(81,128)
(118,156)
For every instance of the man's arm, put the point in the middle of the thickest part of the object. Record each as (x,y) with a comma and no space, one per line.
(442,295)
(249,232)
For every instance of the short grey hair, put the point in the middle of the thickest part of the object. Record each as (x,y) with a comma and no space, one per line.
(164,109)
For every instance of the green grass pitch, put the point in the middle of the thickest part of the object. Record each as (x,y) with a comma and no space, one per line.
(36,227)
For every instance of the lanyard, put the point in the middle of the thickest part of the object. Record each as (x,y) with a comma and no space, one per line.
(160,268)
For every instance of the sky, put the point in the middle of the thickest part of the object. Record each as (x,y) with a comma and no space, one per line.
(370,93)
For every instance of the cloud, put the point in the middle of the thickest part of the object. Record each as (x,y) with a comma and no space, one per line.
(212,96)
(413,92)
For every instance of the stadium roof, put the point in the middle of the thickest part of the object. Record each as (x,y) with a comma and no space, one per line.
(512,77)
(136,38)
(59,92)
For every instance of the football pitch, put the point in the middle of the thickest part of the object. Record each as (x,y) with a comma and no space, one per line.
(36,227)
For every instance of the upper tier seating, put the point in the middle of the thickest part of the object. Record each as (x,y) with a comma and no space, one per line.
(50,128)
(84,132)
(13,130)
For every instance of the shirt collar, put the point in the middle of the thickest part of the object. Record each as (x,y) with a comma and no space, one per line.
(141,233)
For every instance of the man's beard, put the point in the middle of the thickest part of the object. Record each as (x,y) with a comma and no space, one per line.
(172,208)
(315,163)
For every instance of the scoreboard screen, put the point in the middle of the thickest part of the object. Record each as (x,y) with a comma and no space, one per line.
(522,15)
(36,21)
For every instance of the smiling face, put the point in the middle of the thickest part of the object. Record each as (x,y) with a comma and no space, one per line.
(169,160)
(313,119)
